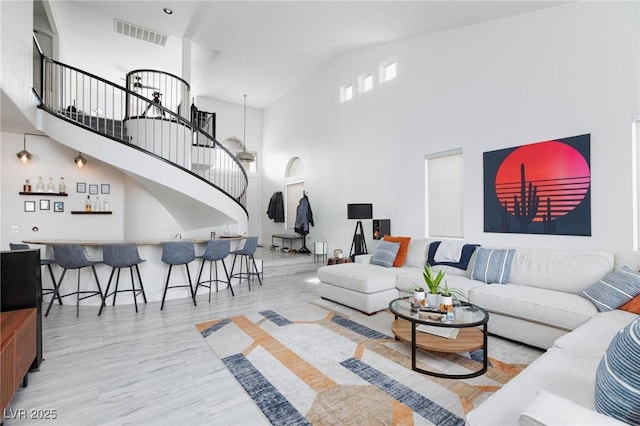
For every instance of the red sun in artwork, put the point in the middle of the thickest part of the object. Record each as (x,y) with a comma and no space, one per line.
(558,172)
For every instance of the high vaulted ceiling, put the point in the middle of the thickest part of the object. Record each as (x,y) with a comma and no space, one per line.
(265,48)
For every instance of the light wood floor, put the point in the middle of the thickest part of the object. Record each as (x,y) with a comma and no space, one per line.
(153,367)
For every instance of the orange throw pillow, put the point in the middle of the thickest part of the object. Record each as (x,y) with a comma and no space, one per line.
(632,305)
(401,257)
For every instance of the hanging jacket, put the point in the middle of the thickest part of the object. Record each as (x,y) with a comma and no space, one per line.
(304,216)
(275,210)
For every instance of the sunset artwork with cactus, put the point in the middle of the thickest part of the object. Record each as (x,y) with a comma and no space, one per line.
(539,188)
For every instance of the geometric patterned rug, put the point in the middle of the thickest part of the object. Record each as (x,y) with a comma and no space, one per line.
(311,364)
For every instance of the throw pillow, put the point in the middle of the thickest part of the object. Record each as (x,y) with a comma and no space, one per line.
(614,290)
(401,257)
(618,377)
(633,306)
(385,254)
(492,265)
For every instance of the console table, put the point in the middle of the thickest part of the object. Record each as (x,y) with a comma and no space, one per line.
(286,237)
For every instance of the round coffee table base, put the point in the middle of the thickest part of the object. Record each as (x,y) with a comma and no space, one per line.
(469,339)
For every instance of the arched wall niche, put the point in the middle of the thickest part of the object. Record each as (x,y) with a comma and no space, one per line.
(294,169)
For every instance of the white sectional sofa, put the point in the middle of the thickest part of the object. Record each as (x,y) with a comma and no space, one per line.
(558,388)
(540,305)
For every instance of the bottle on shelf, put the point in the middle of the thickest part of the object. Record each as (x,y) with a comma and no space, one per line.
(105,205)
(87,204)
(39,185)
(62,188)
(50,186)
(27,186)
(96,204)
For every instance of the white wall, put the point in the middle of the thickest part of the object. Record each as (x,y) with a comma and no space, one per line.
(16,44)
(51,159)
(554,73)
(88,41)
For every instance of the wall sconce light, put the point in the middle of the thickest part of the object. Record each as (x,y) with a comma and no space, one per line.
(80,161)
(24,155)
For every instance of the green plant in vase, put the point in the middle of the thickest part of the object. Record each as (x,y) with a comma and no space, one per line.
(432,279)
(451,291)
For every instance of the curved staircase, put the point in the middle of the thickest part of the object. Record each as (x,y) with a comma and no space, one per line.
(199,182)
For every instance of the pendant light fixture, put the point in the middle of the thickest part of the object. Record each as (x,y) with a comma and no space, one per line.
(244,156)
(80,161)
(24,155)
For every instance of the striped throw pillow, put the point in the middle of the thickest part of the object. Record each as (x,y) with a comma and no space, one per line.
(492,265)
(614,290)
(618,377)
(385,254)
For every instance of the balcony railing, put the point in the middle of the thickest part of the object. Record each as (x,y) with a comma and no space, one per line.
(128,117)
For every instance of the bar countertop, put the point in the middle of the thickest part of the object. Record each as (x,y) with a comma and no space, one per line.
(153,271)
(100,243)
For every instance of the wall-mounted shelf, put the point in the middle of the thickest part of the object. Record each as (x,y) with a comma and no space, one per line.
(48,194)
(84,212)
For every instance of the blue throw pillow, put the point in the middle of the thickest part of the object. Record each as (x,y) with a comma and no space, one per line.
(614,290)
(492,265)
(385,254)
(618,377)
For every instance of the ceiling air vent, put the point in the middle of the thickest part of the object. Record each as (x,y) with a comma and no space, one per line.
(141,33)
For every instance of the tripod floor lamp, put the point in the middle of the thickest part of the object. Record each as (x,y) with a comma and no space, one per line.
(359,212)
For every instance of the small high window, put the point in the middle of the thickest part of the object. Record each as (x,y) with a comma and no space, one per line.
(388,71)
(366,83)
(346,93)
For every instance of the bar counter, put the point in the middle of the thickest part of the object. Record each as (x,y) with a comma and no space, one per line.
(153,271)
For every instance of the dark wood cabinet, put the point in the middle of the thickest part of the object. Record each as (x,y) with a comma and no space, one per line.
(17,350)
(21,288)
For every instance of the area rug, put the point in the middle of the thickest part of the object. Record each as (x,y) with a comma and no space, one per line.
(314,364)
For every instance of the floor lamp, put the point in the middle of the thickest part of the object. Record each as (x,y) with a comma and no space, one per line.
(359,211)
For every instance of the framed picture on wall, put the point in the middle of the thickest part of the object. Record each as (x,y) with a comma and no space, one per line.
(105,188)
(44,205)
(58,206)
(30,206)
(81,187)
(93,189)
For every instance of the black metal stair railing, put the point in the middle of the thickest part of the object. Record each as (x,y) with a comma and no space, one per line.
(100,106)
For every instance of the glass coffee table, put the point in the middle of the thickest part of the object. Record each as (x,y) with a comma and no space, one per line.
(470,320)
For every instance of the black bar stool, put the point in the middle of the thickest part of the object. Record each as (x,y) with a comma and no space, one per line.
(72,256)
(43,262)
(215,252)
(120,256)
(246,254)
(178,253)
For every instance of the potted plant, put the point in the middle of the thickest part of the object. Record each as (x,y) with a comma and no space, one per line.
(451,291)
(447,296)
(418,294)
(432,280)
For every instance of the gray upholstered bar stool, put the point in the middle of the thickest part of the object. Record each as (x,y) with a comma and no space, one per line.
(178,253)
(43,262)
(72,256)
(246,253)
(120,256)
(215,252)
